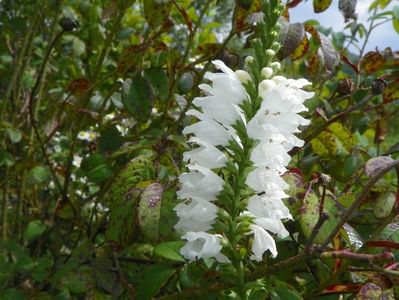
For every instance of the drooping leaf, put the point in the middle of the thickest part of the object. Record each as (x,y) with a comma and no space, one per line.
(376,164)
(321,5)
(330,56)
(290,37)
(347,8)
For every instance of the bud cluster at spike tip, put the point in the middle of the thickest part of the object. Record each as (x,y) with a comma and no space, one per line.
(273,127)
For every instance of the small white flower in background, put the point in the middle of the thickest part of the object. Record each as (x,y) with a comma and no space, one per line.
(77,160)
(87,135)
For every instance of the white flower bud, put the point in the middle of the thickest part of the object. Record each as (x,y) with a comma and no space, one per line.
(275,66)
(279,79)
(267,72)
(270,52)
(249,60)
(265,86)
(243,76)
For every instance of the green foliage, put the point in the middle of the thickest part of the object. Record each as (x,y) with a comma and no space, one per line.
(92,102)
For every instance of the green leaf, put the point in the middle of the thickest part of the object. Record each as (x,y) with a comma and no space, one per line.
(137,98)
(395,24)
(12,294)
(34,230)
(14,134)
(100,173)
(6,158)
(321,5)
(39,174)
(169,250)
(159,81)
(153,280)
(110,140)
(90,162)
(384,204)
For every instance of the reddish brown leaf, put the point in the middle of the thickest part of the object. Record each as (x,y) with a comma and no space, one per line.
(293,3)
(78,86)
(342,288)
(347,61)
(382,244)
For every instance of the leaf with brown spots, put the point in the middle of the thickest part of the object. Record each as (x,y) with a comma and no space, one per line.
(301,49)
(243,12)
(321,5)
(156,13)
(371,62)
(391,92)
(315,64)
(330,55)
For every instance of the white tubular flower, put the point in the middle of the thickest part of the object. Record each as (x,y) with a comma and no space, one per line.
(217,111)
(206,155)
(274,125)
(208,130)
(262,242)
(202,245)
(197,215)
(200,183)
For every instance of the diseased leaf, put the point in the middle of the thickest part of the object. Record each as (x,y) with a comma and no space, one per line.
(310,215)
(391,91)
(330,56)
(156,12)
(371,291)
(321,5)
(291,36)
(301,50)
(149,211)
(347,8)
(371,62)
(159,81)
(376,164)
(243,13)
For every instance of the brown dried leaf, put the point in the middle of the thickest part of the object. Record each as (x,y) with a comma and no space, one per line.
(376,164)
(290,37)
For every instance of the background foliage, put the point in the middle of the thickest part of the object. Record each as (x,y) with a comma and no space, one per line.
(93,95)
